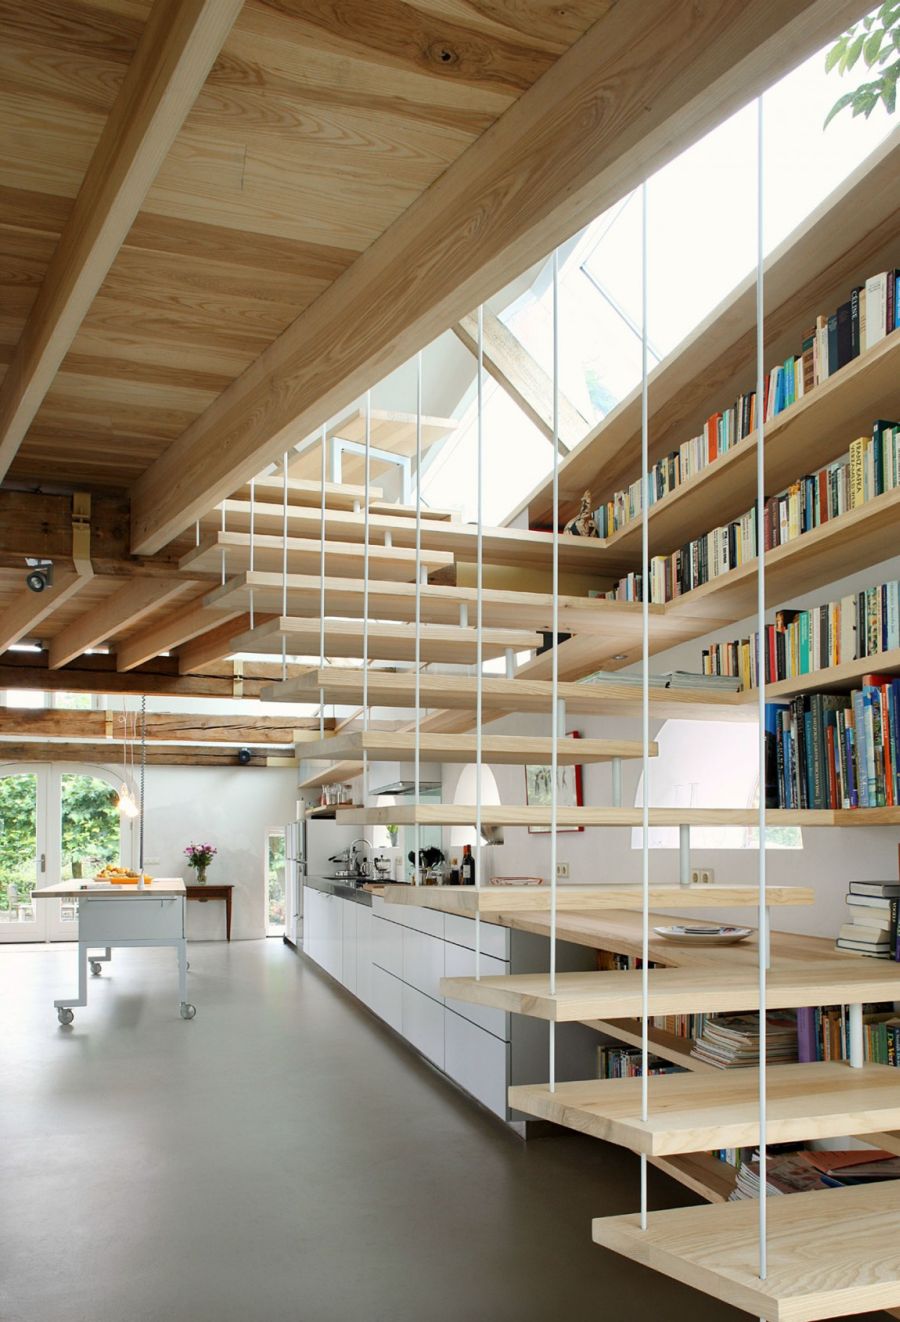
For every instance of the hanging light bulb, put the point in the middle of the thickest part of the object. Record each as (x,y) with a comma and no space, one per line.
(126,803)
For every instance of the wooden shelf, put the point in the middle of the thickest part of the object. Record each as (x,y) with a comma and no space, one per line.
(446,643)
(830,1252)
(336,774)
(806,436)
(325,813)
(304,557)
(501,546)
(581,996)
(701,1172)
(303,494)
(501,696)
(469,900)
(514,814)
(668,1046)
(509,749)
(687,1113)
(847,675)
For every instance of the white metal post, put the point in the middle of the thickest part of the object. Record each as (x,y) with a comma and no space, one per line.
(684,854)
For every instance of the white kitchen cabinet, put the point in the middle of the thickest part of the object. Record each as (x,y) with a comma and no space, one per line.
(350,912)
(459,962)
(313,924)
(422,1024)
(364,954)
(461,931)
(387,998)
(387,945)
(477,1060)
(332,954)
(423,962)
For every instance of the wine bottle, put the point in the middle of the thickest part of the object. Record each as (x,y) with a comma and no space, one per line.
(468,866)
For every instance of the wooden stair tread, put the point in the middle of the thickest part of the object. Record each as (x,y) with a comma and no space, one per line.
(469,900)
(386,641)
(517,750)
(691,1113)
(499,696)
(304,556)
(518,814)
(306,493)
(830,1252)
(836,981)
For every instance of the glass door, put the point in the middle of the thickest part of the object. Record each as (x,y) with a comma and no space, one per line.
(275,883)
(23,852)
(57,823)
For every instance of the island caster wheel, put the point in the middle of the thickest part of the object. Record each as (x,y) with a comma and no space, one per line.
(65,1016)
(187,1010)
(96,968)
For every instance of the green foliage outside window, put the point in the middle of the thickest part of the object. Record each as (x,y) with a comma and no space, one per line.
(876,41)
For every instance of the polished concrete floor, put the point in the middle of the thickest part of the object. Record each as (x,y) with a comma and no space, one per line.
(281,1157)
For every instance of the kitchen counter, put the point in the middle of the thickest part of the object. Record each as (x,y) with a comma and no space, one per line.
(345,889)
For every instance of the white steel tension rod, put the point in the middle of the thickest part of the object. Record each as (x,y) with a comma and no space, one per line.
(645,695)
(479,649)
(322,582)
(557,716)
(417,842)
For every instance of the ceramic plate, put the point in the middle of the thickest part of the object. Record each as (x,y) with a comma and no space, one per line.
(704,936)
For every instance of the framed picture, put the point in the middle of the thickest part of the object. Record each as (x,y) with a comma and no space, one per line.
(538,790)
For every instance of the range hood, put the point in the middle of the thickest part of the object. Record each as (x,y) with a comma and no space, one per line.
(407,787)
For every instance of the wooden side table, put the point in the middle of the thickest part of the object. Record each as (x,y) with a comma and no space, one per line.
(213,892)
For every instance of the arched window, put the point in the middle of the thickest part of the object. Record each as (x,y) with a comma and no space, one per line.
(708,764)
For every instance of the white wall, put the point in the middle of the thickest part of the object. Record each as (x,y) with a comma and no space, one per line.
(232,808)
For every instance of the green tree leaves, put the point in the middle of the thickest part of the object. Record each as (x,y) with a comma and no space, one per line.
(876,40)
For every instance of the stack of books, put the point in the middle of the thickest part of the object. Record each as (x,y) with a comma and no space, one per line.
(732,1041)
(870,313)
(800,642)
(872,927)
(671,679)
(792,1173)
(836,750)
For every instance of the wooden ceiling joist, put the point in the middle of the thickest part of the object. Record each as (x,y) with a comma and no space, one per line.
(165,727)
(522,377)
(161,755)
(32,608)
(188,623)
(118,613)
(176,51)
(217,643)
(98,674)
(619,103)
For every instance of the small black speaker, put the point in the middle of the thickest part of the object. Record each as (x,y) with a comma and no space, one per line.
(245,757)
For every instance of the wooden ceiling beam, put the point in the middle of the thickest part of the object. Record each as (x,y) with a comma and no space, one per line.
(121,611)
(30,609)
(623,100)
(188,623)
(522,377)
(214,645)
(166,727)
(162,755)
(175,53)
(98,674)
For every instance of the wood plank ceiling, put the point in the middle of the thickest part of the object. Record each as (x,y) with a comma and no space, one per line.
(318,125)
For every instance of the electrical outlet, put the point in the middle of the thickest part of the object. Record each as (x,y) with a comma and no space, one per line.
(562,872)
(707,876)
(695,876)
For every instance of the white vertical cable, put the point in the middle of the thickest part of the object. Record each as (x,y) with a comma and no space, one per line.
(555,732)
(645,699)
(252,542)
(284,560)
(479,658)
(761,678)
(223,544)
(417,845)
(365,638)
(322,585)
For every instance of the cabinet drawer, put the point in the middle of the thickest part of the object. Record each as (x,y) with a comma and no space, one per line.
(461,931)
(104,922)
(423,1024)
(477,1060)
(387,946)
(459,962)
(349,916)
(387,998)
(430,921)
(423,962)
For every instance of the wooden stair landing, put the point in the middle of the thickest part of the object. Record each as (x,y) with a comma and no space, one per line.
(447,643)
(830,1253)
(304,557)
(469,900)
(617,995)
(693,1113)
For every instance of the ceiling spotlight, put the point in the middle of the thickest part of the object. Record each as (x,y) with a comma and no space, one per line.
(39,575)
(245,757)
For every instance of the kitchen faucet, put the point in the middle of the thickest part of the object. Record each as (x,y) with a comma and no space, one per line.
(361,865)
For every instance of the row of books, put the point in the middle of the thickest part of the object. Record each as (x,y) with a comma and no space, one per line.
(858,325)
(836,750)
(625,1063)
(732,1041)
(869,468)
(823,1034)
(800,642)
(611,961)
(679,1025)
(805,1170)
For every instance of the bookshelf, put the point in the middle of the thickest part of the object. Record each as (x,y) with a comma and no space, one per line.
(847,675)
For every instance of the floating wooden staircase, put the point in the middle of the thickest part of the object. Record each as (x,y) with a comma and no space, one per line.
(470,900)
(444,643)
(346,559)
(518,750)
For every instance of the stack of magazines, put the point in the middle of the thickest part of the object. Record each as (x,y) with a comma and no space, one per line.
(732,1041)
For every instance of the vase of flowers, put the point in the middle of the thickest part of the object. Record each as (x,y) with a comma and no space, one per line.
(200,857)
